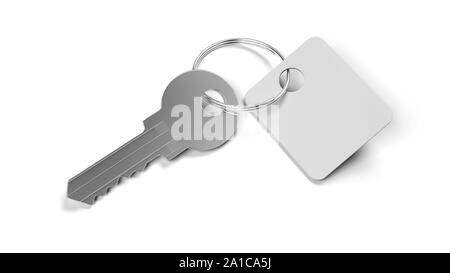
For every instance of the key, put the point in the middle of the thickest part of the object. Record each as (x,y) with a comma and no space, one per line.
(158,138)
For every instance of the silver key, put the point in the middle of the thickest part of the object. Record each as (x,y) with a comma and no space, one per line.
(157,140)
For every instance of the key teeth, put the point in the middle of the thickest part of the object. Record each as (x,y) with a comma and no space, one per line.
(108,187)
(170,151)
(103,191)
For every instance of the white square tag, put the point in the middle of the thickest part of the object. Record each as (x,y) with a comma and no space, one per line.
(329,118)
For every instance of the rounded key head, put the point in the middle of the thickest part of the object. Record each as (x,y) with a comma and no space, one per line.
(184,110)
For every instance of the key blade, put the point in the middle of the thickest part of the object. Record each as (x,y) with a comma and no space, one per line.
(169,151)
(105,163)
(132,157)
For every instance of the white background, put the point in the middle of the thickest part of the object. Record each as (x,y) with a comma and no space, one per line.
(78,77)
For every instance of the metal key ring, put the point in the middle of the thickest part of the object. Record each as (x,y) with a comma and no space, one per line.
(246,41)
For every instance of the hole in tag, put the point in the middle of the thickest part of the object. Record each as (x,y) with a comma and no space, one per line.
(211,110)
(296,79)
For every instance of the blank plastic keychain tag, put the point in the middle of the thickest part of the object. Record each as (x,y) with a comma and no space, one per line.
(329,118)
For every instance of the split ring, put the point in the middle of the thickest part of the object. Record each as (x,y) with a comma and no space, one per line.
(246,41)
